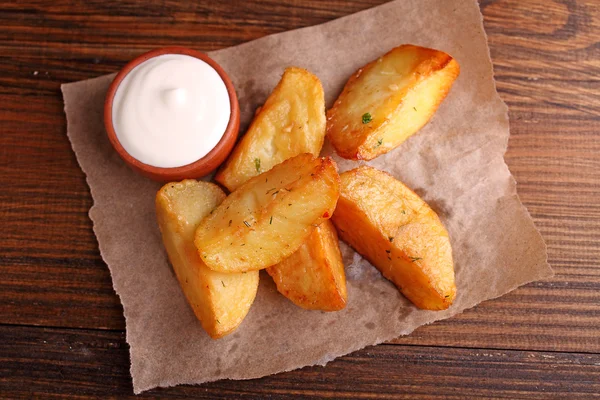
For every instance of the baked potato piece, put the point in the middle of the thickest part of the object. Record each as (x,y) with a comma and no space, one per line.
(399,234)
(220,301)
(291,122)
(313,277)
(268,218)
(388,100)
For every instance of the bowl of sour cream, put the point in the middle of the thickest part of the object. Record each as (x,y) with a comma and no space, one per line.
(172,114)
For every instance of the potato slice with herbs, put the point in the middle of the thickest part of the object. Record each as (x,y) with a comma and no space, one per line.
(268,218)
(313,277)
(398,233)
(291,122)
(220,301)
(388,100)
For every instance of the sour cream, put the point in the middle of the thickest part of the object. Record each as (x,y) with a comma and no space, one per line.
(170,110)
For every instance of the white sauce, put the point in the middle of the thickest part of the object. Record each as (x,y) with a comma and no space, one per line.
(171,110)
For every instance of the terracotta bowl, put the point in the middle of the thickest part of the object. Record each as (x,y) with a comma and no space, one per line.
(198,168)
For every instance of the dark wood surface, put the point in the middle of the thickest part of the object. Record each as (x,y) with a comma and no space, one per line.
(61,324)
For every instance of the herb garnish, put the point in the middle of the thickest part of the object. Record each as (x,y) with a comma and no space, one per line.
(379,143)
(366,118)
(247,224)
(391,239)
(415,259)
(271,220)
(257,164)
(222,283)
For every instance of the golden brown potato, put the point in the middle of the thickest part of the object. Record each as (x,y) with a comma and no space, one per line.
(389,100)
(398,233)
(220,301)
(313,277)
(291,122)
(267,218)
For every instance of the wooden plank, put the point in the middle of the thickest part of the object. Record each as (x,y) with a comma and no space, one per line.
(71,364)
(546,61)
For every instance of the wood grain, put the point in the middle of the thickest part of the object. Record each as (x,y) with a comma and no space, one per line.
(69,364)
(547,62)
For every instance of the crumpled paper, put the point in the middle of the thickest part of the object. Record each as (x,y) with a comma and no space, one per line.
(455,163)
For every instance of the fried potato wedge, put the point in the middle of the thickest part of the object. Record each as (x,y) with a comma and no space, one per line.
(291,122)
(313,277)
(268,218)
(388,100)
(398,233)
(220,301)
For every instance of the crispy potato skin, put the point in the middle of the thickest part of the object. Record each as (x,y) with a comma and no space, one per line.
(398,233)
(313,277)
(268,218)
(220,301)
(291,122)
(400,90)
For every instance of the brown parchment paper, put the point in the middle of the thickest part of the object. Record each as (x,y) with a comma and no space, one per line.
(455,163)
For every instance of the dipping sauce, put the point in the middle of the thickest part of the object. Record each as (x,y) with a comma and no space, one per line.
(170,110)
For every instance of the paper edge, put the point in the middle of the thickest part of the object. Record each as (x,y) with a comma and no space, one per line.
(513,181)
(100,247)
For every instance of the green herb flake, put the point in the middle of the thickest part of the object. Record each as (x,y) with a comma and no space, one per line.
(222,283)
(218,322)
(247,224)
(391,239)
(230,221)
(257,164)
(403,212)
(379,143)
(415,259)
(271,220)
(366,118)
(415,108)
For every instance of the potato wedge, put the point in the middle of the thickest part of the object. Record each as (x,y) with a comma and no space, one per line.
(269,217)
(389,100)
(398,233)
(291,122)
(220,301)
(313,277)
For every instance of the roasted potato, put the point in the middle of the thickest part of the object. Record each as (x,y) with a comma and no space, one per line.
(313,277)
(398,233)
(268,218)
(220,301)
(388,100)
(291,122)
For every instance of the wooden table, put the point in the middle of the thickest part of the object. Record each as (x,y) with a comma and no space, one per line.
(61,324)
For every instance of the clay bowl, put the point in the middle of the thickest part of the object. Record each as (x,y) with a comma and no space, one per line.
(198,168)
